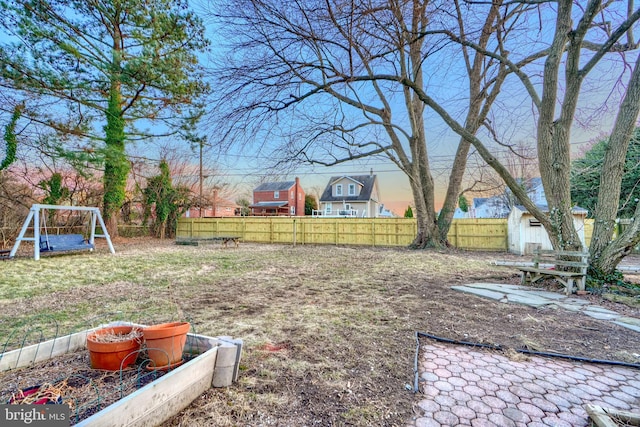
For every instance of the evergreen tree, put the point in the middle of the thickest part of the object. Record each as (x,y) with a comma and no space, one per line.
(310,204)
(408,213)
(11,144)
(104,65)
(244,207)
(585,177)
(167,202)
(463,203)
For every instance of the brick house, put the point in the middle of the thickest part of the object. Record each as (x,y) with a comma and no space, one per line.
(278,198)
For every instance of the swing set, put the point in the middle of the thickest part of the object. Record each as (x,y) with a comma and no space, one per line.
(44,242)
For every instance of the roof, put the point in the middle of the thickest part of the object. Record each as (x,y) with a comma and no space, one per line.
(479,201)
(367,182)
(275,186)
(269,204)
(534,183)
(351,178)
(545,208)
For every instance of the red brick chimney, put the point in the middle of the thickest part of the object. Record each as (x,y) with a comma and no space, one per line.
(295,203)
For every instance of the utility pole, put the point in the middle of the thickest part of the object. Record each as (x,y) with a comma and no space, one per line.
(201,145)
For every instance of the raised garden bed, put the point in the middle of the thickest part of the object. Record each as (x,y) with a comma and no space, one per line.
(607,417)
(131,397)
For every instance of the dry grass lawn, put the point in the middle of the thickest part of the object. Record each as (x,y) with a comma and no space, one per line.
(329,331)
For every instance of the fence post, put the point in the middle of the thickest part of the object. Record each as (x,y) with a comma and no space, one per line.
(456,234)
(347,231)
(294,232)
(373,232)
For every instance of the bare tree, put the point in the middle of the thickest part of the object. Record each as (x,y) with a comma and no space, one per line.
(520,160)
(371,57)
(331,81)
(573,53)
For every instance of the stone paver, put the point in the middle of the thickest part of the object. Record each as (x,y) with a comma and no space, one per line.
(465,386)
(599,315)
(534,297)
(536,392)
(628,322)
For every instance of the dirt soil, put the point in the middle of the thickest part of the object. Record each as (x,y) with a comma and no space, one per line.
(377,371)
(70,379)
(330,332)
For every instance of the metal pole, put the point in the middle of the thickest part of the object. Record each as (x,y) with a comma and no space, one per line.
(201,144)
(36,232)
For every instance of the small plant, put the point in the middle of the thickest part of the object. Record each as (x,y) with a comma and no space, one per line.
(599,282)
(408,213)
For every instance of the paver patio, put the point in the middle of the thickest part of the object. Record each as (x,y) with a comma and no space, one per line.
(465,385)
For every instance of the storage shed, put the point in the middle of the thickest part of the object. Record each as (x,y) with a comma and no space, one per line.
(526,233)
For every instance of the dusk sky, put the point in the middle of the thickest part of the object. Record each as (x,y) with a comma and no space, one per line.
(447,81)
(243,167)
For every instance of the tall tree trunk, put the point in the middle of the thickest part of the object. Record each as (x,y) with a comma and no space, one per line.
(605,253)
(606,261)
(116,167)
(423,190)
(480,100)
(427,235)
(421,179)
(554,133)
(445,218)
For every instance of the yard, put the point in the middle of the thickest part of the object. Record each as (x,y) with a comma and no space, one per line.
(329,331)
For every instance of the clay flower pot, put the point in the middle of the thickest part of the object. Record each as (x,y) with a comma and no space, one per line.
(165,343)
(113,348)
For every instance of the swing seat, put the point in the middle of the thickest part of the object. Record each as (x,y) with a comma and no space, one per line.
(64,242)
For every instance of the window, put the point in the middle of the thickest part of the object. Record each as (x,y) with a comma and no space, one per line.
(293,210)
(292,196)
(352,189)
(327,208)
(339,190)
(276,194)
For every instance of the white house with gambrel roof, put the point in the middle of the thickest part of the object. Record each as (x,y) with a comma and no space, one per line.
(350,196)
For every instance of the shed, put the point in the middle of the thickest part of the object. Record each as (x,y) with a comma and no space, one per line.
(526,233)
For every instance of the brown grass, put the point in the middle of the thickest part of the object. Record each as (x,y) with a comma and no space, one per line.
(329,331)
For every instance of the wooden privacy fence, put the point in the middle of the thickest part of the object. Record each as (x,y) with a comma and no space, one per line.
(621,225)
(474,234)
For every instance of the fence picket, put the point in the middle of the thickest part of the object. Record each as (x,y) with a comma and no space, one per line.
(473,234)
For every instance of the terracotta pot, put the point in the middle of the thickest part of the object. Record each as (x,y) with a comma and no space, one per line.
(165,343)
(112,356)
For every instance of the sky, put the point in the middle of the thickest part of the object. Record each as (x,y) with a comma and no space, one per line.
(243,167)
(518,125)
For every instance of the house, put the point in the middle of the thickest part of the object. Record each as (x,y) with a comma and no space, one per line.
(278,198)
(535,191)
(490,207)
(500,205)
(385,213)
(214,207)
(350,196)
(460,214)
(526,233)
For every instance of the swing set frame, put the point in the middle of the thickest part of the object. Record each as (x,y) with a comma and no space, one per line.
(34,217)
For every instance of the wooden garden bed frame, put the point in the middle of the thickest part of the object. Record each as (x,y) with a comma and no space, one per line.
(606,417)
(216,365)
